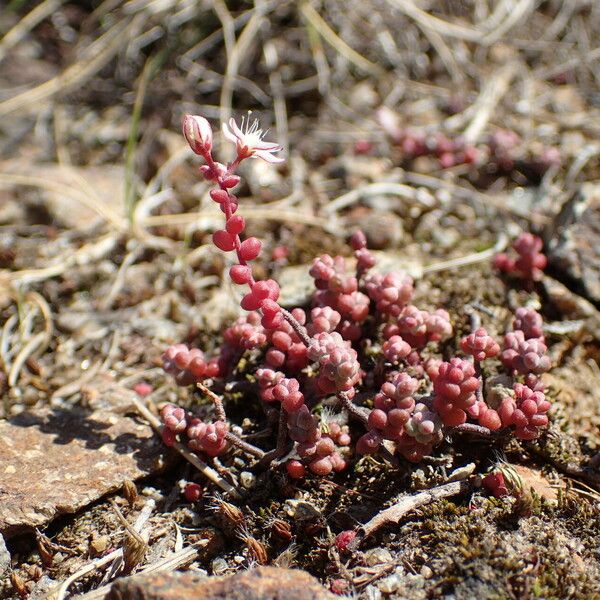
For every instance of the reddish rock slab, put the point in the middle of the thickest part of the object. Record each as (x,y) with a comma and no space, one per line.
(262,583)
(56,462)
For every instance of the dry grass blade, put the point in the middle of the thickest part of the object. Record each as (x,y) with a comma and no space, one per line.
(27,23)
(36,344)
(115,555)
(240,51)
(85,196)
(513,16)
(424,19)
(170,563)
(207,219)
(315,19)
(85,255)
(491,94)
(100,53)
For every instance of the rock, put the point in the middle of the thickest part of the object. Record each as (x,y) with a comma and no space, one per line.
(571,306)
(54,462)
(532,479)
(574,241)
(389,584)
(378,556)
(262,583)
(4,558)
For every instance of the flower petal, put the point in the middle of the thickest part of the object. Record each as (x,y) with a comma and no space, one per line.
(267,157)
(230,136)
(236,130)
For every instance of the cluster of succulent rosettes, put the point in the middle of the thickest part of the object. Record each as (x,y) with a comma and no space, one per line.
(338,290)
(287,391)
(454,387)
(395,349)
(318,450)
(503,145)
(529,261)
(416,142)
(287,349)
(364,257)
(339,369)
(505,151)
(418,327)
(502,150)
(188,366)
(391,292)
(304,356)
(246,332)
(526,411)
(415,428)
(530,322)
(524,355)
(207,438)
(393,406)
(480,345)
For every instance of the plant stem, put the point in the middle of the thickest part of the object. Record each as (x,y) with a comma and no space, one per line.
(245,446)
(217,400)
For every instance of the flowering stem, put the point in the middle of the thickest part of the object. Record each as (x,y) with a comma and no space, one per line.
(220,179)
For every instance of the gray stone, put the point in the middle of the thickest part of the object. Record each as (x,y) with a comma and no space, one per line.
(574,241)
(4,557)
(55,462)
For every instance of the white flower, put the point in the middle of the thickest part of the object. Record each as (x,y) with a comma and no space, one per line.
(249,141)
(198,133)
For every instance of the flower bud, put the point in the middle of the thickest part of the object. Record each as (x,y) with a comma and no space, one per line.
(198,133)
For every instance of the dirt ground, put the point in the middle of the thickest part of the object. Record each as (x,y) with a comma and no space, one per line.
(106,258)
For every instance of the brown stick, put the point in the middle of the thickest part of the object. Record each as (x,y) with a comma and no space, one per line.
(245,446)
(394,513)
(300,330)
(355,411)
(217,400)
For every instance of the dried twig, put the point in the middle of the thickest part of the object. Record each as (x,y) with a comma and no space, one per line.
(394,513)
(486,103)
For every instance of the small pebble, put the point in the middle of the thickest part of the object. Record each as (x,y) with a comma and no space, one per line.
(426,572)
(219,566)
(391,583)
(372,593)
(247,479)
(301,510)
(378,556)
